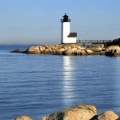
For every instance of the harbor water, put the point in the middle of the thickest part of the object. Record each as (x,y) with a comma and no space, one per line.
(39,85)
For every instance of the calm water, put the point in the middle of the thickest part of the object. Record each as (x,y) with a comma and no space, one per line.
(38,85)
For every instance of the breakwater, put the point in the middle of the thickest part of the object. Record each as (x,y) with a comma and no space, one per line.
(73,49)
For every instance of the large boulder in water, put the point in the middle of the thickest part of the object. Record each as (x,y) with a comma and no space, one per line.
(33,50)
(80,112)
(108,115)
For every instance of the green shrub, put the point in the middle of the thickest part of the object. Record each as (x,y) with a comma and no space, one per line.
(114,42)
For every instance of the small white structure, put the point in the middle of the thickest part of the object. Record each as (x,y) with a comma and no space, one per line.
(66,35)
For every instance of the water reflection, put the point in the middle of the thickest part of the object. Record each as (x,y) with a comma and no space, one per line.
(68,76)
(89,80)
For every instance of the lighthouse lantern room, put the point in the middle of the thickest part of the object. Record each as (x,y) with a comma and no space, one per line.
(66,35)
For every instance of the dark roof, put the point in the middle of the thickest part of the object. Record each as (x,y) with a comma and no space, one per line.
(72,34)
(65,15)
(65,18)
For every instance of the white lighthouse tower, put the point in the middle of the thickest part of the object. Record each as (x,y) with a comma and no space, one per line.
(66,35)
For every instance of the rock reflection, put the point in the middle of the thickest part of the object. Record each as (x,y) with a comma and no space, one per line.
(68,87)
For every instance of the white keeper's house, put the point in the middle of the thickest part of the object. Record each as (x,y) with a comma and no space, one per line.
(66,35)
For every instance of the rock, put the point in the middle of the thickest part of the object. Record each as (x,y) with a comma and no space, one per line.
(60,51)
(46,51)
(34,50)
(17,51)
(89,52)
(118,118)
(87,107)
(108,115)
(102,52)
(23,118)
(74,50)
(81,47)
(67,52)
(96,47)
(44,118)
(83,52)
(113,50)
(80,112)
(113,47)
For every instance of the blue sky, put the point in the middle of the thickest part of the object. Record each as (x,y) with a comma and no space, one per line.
(38,21)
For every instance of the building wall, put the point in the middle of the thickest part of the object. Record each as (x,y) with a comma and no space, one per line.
(65,31)
(70,40)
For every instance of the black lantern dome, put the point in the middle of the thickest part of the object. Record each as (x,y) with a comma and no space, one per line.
(65,18)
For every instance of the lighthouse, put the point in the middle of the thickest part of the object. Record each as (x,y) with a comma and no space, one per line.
(66,35)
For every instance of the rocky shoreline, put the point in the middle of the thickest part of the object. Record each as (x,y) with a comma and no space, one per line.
(79,112)
(72,49)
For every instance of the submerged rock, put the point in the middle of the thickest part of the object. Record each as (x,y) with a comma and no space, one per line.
(17,51)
